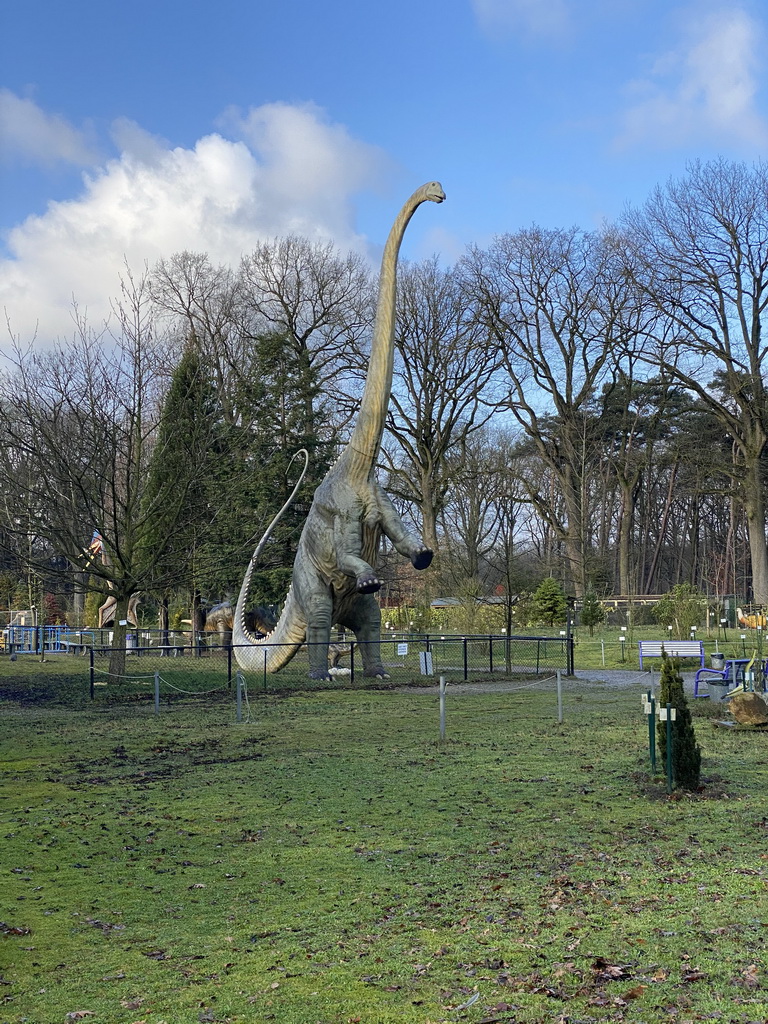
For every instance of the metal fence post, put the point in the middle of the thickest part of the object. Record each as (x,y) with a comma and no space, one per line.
(490,654)
(229,666)
(559,697)
(91,673)
(466,675)
(239,696)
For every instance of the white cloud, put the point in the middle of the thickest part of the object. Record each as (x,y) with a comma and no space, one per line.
(531,17)
(291,171)
(702,92)
(31,135)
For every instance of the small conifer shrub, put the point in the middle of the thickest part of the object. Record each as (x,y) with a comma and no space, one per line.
(592,611)
(686,754)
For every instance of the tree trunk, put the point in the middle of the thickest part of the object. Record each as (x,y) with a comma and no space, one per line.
(117,656)
(162,621)
(754,506)
(626,583)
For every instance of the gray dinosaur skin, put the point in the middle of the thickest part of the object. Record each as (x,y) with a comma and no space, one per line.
(334,578)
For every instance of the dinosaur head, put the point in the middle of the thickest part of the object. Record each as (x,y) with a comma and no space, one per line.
(433,191)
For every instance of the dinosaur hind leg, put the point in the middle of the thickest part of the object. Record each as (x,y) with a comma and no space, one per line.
(319,612)
(363,617)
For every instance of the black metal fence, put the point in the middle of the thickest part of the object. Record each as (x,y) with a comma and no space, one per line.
(406,658)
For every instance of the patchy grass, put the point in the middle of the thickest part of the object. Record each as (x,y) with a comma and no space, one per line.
(329,861)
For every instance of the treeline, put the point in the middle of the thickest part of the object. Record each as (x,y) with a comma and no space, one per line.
(584,405)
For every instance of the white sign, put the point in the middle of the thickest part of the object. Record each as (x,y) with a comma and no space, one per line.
(402,648)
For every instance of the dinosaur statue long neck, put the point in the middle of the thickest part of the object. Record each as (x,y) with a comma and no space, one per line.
(359,457)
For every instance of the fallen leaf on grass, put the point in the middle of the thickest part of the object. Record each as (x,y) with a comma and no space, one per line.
(10,929)
(80,1014)
(105,926)
(605,971)
(633,993)
(692,975)
(748,977)
(131,1004)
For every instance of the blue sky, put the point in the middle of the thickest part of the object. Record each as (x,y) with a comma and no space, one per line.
(131,131)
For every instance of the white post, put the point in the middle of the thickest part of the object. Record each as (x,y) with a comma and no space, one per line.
(157,693)
(442,709)
(239,696)
(559,696)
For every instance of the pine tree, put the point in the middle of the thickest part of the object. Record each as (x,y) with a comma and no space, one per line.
(686,755)
(549,602)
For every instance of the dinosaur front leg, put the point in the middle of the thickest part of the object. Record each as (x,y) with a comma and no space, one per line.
(348,545)
(363,617)
(405,541)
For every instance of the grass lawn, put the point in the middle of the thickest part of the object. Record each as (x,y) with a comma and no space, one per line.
(329,861)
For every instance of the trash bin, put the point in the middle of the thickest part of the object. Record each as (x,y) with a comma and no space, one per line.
(130,641)
(717,661)
(718,690)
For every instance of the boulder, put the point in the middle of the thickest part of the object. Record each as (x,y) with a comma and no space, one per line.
(749,709)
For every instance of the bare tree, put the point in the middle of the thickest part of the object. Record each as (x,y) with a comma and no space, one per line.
(320,301)
(699,250)
(442,389)
(482,519)
(560,315)
(79,427)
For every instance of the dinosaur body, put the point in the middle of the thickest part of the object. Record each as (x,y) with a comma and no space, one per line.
(334,575)
(754,621)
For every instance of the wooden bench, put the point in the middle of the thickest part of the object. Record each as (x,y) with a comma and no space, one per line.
(674,648)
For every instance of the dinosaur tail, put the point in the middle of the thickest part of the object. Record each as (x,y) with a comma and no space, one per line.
(276,649)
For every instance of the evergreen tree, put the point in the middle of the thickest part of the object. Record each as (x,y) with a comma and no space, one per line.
(175,501)
(549,602)
(686,755)
(243,471)
(592,611)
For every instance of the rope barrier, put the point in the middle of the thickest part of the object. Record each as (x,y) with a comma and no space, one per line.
(192,693)
(116,675)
